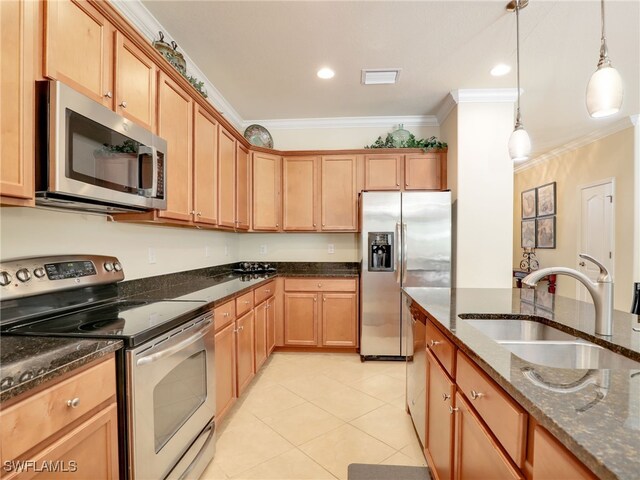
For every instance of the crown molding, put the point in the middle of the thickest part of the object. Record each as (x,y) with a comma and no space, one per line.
(346,122)
(621,124)
(149,26)
(475,95)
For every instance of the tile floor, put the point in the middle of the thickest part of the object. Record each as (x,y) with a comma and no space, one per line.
(309,415)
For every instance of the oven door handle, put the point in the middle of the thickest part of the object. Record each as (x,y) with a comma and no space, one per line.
(203,449)
(153,357)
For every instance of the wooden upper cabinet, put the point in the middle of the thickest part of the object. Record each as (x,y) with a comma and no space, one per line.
(242,187)
(383,172)
(339,196)
(78,48)
(266,192)
(425,172)
(226,178)
(135,89)
(300,194)
(205,167)
(18,34)
(175,126)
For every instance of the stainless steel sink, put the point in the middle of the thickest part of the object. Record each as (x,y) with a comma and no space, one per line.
(519,330)
(578,354)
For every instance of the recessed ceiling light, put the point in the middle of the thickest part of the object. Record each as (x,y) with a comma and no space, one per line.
(500,69)
(380,76)
(326,73)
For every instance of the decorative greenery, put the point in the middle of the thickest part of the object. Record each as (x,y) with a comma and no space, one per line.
(431,143)
(197,84)
(128,146)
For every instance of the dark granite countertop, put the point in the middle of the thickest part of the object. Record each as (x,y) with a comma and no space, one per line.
(595,413)
(40,359)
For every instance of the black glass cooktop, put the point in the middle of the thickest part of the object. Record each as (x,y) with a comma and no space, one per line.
(133,321)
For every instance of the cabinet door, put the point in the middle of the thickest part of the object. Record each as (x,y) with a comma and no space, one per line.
(551,460)
(300,194)
(226,178)
(225,358)
(423,172)
(271,325)
(175,126)
(135,91)
(78,48)
(339,320)
(338,193)
(301,319)
(242,188)
(440,420)
(477,455)
(18,24)
(245,351)
(205,167)
(260,334)
(266,192)
(382,172)
(92,447)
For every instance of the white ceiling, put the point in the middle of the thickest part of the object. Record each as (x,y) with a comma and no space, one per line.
(263,56)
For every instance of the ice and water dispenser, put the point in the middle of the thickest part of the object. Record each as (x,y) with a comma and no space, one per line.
(381,252)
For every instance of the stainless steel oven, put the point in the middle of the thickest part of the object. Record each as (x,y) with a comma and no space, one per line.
(91,158)
(171,383)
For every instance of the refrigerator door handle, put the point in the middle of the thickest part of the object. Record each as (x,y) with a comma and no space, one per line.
(399,256)
(404,253)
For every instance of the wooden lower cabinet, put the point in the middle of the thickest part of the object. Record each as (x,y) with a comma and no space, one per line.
(552,460)
(271,325)
(338,327)
(225,358)
(260,331)
(477,455)
(245,351)
(440,420)
(301,319)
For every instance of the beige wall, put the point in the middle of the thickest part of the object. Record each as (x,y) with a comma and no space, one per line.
(26,232)
(609,157)
(299,247)
(338,138)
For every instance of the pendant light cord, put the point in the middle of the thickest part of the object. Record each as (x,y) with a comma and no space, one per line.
(518,122)
(604,54)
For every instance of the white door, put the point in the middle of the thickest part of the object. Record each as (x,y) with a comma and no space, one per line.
(596,231)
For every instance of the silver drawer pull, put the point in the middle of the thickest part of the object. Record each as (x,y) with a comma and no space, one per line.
(452,410)
(73,403)
(445,396)
(433,343)
(475,395)
(225,314)
(268,291)
(108,95)
(246,302)
(123,104)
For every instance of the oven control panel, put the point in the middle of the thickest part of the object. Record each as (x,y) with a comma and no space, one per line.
(24,277)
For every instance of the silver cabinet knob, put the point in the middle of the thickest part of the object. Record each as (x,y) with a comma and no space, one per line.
(452,410)
(123,104)
(225,314)
(108,95)
(445,396)
(433,343)
(475,395)
(73,403)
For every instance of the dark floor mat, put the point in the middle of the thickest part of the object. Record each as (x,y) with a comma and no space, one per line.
(366,471)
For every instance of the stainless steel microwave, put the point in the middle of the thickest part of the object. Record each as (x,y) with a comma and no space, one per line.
(90,158)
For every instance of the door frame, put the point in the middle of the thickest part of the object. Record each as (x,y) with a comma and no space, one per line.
(580,188)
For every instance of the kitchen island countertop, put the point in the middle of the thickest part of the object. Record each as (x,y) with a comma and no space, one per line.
(599,423)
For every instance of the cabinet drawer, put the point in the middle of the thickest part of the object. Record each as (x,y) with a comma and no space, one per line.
(224,314)
(442,348)
(49,412)
(244,303)
(263,292)
(320,284)
(506,419)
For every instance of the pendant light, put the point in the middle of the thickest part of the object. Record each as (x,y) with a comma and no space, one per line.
(604,90)
(519,142)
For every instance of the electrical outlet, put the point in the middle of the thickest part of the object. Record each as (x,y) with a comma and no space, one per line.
(263,249)
(207,251)
(152,255)
(226,250)
(331,248)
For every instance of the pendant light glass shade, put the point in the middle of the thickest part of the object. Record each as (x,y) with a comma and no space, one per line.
(604,90)
(519,145)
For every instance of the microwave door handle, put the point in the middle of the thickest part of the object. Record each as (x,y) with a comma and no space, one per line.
(142,151)
(154,177)
(154,357)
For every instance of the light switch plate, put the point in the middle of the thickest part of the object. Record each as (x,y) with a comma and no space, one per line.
(263,249)
(152,255)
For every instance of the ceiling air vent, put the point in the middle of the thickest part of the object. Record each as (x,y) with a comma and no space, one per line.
(380,76)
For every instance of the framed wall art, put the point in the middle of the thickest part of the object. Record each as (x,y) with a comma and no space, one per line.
(546,200)
(546,232)
(528,200)
(528,233)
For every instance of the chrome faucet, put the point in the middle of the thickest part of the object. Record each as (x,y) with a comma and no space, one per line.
(601,291)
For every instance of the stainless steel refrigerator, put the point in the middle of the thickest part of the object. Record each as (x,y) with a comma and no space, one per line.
(405,242)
